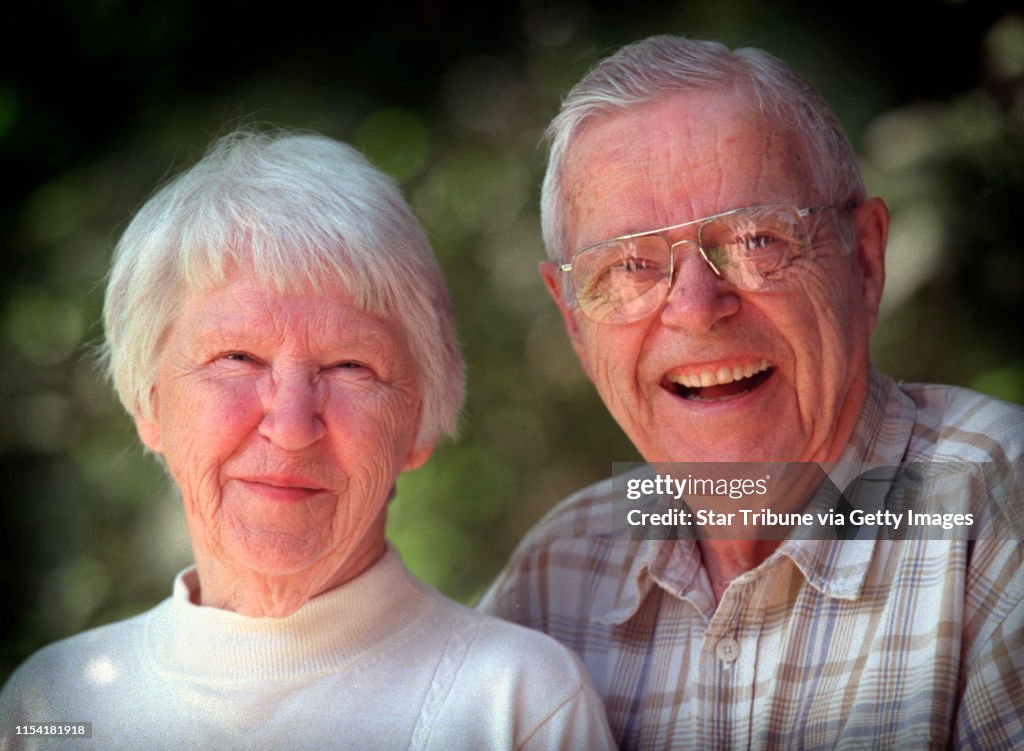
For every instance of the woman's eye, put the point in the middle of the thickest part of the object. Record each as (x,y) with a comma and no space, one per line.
(353,369)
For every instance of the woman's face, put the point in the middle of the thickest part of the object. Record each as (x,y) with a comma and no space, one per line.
(284,420)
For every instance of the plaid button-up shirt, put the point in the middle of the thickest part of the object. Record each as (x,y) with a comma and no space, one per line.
(862,643)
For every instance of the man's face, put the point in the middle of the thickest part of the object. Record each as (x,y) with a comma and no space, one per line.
(806,341)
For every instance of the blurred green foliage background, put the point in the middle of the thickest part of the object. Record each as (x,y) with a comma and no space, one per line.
(100,100)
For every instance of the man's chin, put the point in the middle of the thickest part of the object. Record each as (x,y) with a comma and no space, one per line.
(746,426)
(745,452)
(758,435)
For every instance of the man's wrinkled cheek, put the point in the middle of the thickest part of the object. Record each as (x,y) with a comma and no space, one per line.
(818,301)
(605,370)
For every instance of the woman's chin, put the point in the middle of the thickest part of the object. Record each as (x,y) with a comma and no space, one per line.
(275,554)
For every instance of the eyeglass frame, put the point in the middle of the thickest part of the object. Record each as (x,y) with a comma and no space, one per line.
(802,213)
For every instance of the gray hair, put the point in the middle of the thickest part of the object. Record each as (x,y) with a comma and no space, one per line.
(298,210)
(660,66)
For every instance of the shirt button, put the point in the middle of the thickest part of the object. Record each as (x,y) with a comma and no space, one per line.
(727,649)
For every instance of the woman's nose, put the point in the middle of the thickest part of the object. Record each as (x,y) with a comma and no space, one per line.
(292,416)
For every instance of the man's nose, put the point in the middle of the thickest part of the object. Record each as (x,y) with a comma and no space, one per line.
(292,416)
(699,298)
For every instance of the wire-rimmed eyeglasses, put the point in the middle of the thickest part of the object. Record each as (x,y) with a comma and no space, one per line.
(627,278)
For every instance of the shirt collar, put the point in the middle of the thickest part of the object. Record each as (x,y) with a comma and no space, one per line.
(886,422)
(327,632)
(651,562)
(838,568)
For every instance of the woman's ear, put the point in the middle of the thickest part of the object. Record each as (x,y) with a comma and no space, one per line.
(149,428)
(417,457)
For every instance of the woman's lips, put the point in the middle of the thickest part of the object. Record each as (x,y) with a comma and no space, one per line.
(718,384)
(282,488)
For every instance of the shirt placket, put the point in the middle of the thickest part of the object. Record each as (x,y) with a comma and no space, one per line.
(728,660)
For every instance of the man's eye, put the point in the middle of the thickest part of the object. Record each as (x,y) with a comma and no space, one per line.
(636,264)
(634,271)
(760,242)
(238,357)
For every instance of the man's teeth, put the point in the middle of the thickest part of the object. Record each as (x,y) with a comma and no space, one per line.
(721,376)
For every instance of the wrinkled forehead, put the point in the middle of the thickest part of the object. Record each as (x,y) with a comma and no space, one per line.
(687,156)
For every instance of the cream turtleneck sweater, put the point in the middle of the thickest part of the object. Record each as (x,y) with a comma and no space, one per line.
(383,662)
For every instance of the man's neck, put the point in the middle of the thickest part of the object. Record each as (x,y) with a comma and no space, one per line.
(725,560)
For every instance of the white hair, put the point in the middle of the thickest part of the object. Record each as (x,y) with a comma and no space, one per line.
(298,210)
(660,66)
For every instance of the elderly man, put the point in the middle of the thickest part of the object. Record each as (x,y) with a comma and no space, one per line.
(718,266)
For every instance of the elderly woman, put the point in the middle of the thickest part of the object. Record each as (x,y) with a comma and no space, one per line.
(278,328)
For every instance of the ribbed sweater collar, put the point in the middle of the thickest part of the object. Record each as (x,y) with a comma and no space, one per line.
(323,635)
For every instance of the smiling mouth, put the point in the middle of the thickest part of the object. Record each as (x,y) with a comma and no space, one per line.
(282,489)
(719,385)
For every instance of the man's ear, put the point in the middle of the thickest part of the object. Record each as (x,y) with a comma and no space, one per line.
(149,429)
(552,276)
(872,223)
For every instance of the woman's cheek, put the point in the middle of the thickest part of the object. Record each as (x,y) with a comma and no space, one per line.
(213,420)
